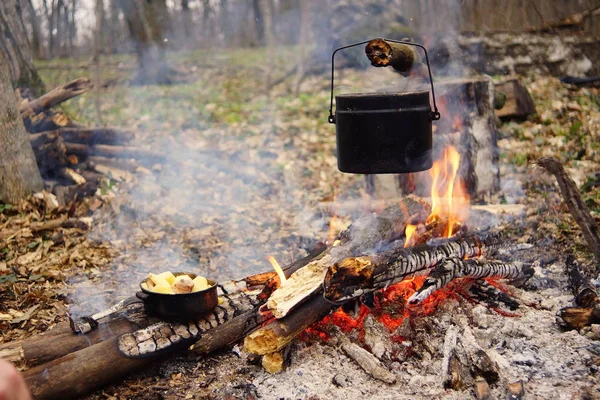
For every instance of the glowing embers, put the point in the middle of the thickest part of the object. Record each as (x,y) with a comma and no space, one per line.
(389,307)
(449,202)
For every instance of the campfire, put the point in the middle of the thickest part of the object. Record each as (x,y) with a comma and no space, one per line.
(388,289)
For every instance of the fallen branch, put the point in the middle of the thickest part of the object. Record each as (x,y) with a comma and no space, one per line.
(576,206)
(454,268)
(56,96)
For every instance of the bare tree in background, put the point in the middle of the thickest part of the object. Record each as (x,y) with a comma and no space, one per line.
(19,173)
(34,22)
(147,21)
(14,44)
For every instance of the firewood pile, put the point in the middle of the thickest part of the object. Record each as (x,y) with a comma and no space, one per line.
(73,158)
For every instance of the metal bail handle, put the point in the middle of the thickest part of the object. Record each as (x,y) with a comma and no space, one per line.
(434,115)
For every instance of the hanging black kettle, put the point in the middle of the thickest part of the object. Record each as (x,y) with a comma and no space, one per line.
(382,133)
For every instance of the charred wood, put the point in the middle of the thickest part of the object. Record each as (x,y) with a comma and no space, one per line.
(81,372)
(161,337)
(279,333)
(576,206)
(399,56)
(387,226)
(42,349)
(578,317)
(454,268)
(354,276)
(494,298)
(583,290)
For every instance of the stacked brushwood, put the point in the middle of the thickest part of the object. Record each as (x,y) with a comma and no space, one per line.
(72,158)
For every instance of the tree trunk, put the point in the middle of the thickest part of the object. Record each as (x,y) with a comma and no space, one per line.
(36,44)
(146,21)
(19,173)
(14,44)
(259,21)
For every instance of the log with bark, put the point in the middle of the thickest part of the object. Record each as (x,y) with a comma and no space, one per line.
(468,123)
(357,240)
(587,309)
(454,267)
(55,96)
(399,56)
(354,276)
(78,373)
(518,102)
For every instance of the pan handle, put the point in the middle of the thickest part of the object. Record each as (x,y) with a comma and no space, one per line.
(142,296)
(434,115)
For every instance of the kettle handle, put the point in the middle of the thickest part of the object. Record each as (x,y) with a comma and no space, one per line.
(434,115)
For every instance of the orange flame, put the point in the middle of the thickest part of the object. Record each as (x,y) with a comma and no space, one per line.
(410,235)
(449,199)
(277,269)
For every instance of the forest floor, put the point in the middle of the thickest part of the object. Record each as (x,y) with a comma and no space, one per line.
(247,173)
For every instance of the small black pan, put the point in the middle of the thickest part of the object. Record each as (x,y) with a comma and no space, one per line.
(183,306)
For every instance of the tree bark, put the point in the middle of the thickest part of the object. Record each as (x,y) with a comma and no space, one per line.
(36,43)
(146,22)
(14,45)
(19,173)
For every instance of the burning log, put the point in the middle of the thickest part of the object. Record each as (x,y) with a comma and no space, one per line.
(576,206)
(399,56)
(355,276)
(56,96)
(454,268)
(387,226)
(277,334)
